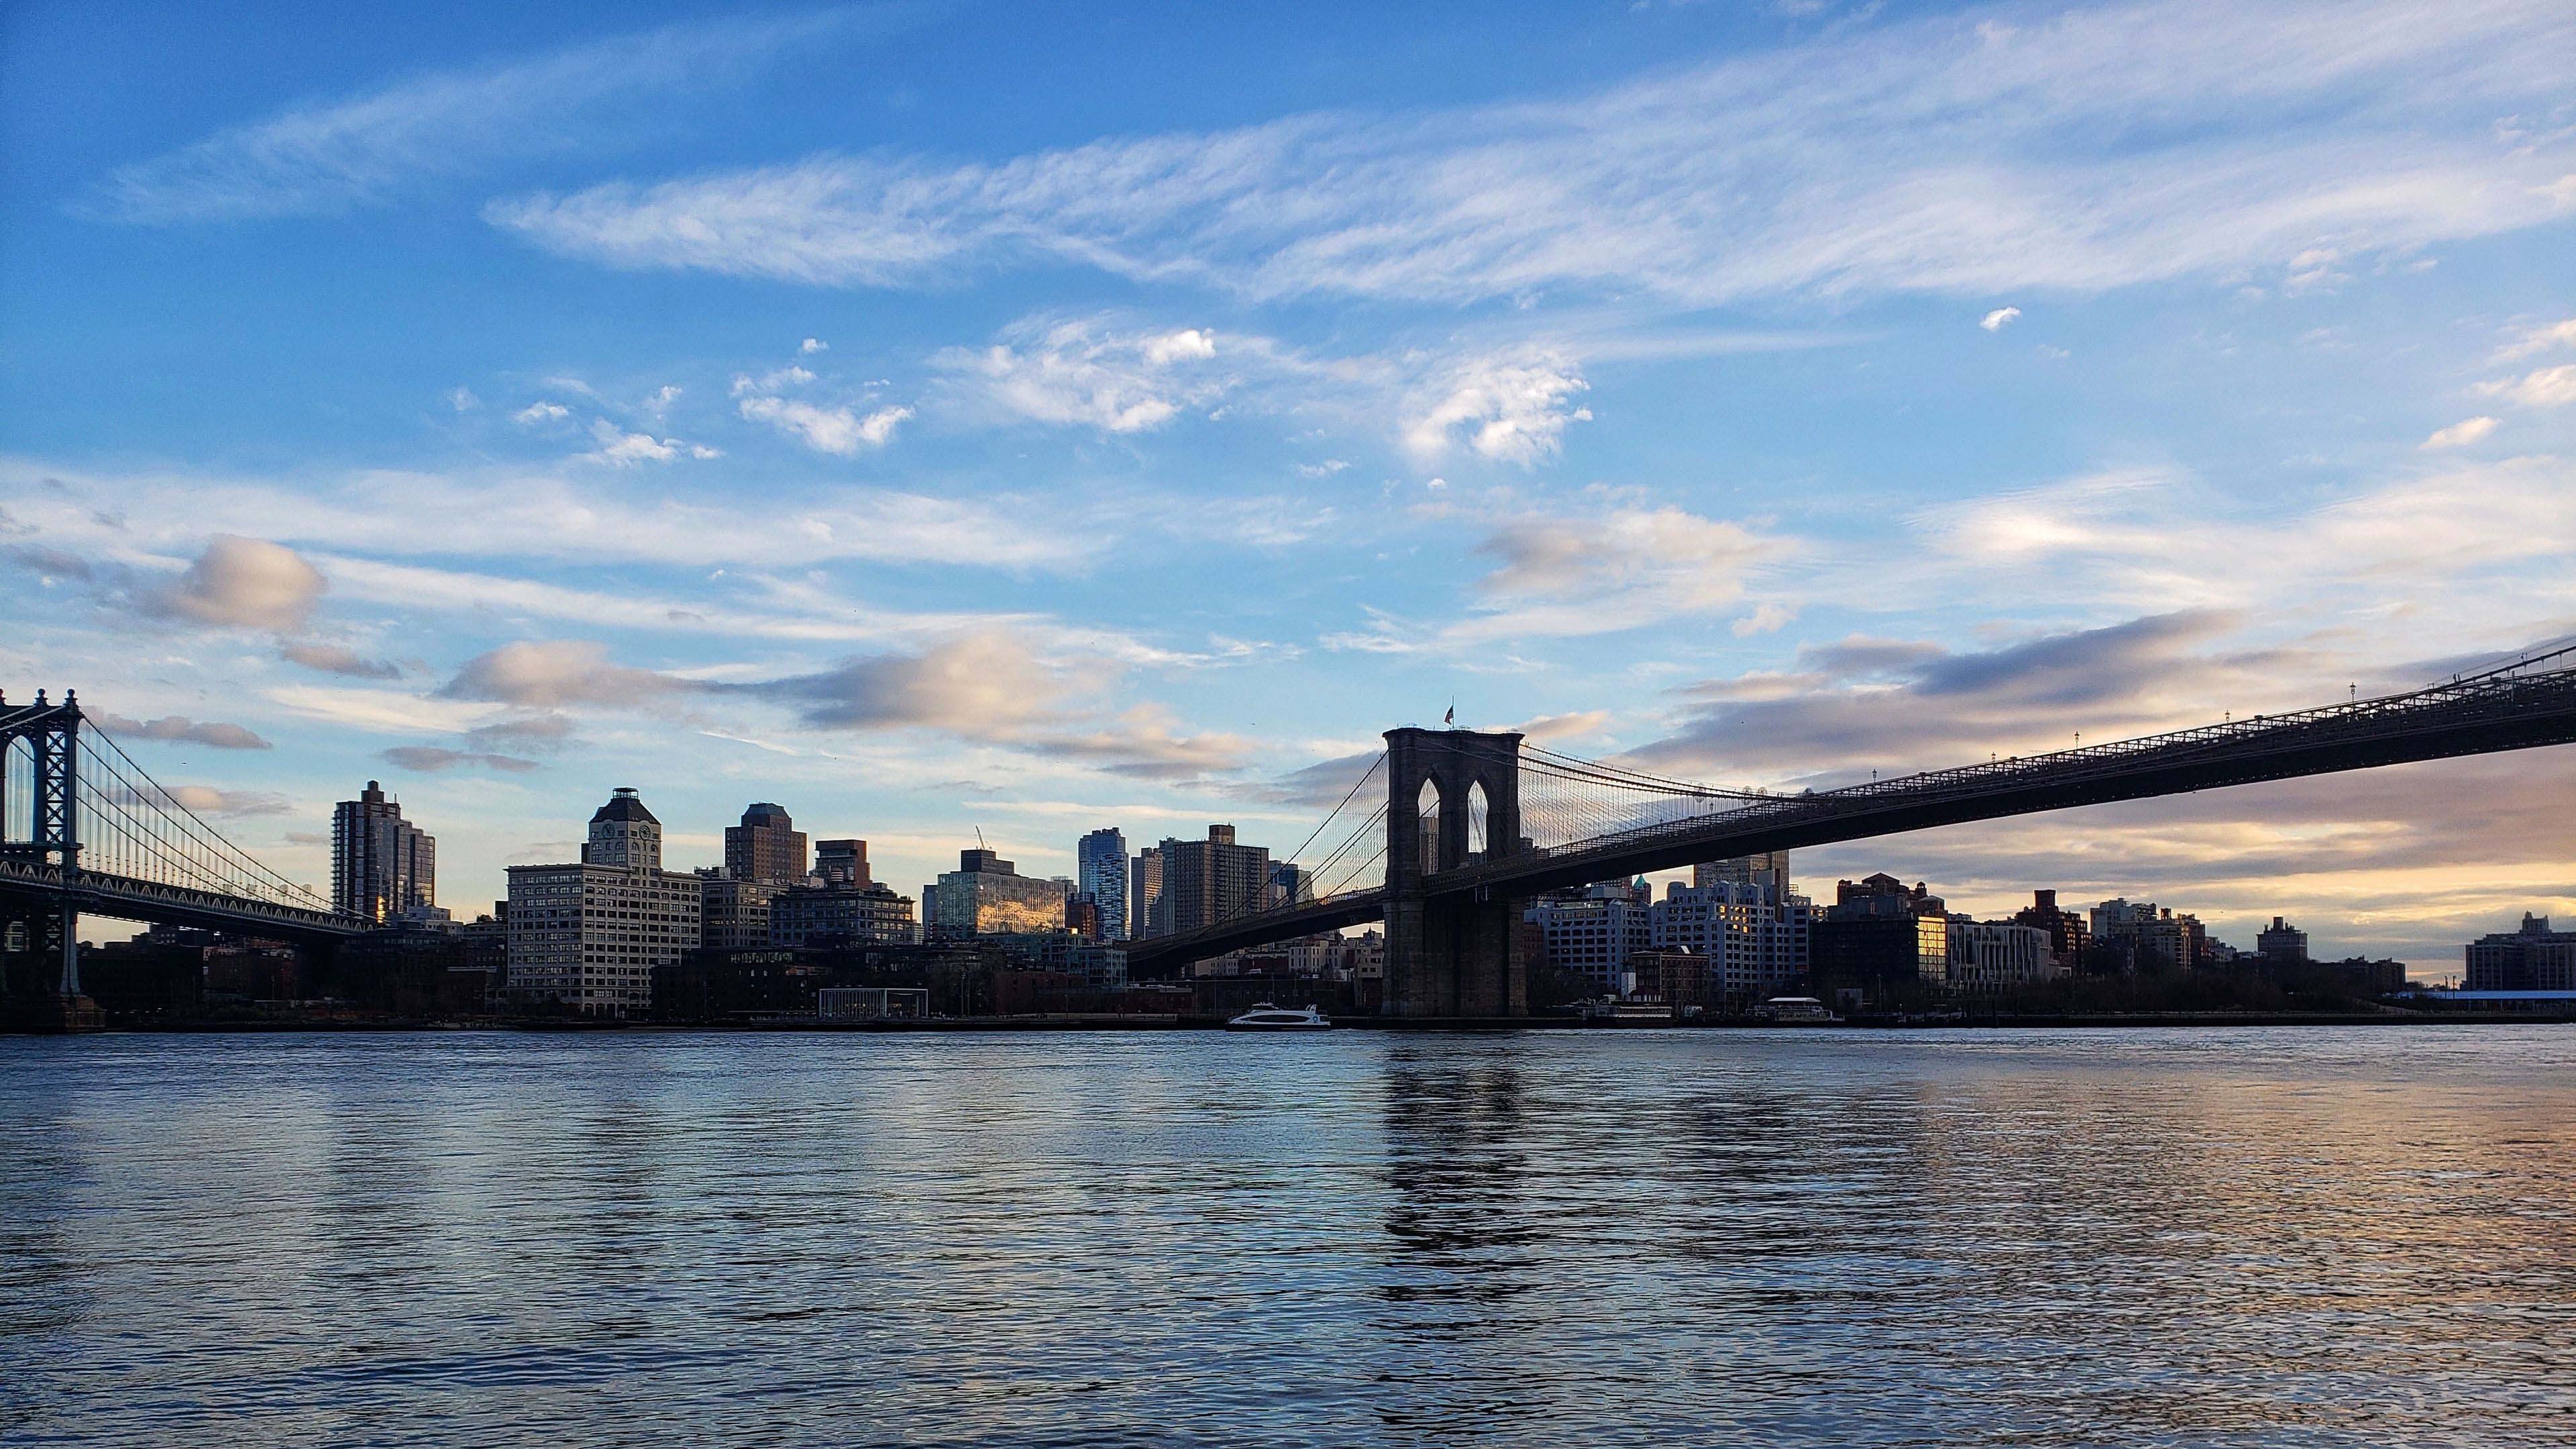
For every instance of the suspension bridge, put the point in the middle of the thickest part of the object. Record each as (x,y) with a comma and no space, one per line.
(1462,827)
(84,830)
(1472,824)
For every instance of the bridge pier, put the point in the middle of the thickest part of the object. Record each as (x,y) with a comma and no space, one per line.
(1455,955)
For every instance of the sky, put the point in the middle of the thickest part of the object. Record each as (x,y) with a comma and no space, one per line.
(941,418)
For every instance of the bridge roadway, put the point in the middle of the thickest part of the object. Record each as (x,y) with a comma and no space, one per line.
(95,893)
(2481,715)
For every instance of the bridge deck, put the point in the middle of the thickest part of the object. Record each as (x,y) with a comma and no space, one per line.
(2481,715)
(124,898)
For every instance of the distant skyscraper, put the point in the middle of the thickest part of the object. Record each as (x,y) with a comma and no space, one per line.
(1146,915)
(381,864)
(1770,868)
(766,847)
(1212,880)
(1291,884)
(588,936)
(987,895)
(842,863)
(2282,944)
(1101,873)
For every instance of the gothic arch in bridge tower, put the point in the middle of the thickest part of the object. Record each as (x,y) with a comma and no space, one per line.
(1453,799)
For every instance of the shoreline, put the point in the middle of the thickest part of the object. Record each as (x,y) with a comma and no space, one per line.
(1478,1025)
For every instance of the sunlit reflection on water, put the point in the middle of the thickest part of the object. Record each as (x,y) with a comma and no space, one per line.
(2243,1237)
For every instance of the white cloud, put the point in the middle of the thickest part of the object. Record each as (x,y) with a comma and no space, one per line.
(1513,408)
(1090,372)
(2074,151)
(777,380)
(2459,434)
(244,583)
(1767,618)
(541,412)
(619,448)
(2540,339)
(547,674)
(812,345)
(2546,387)
(826,430)
(207,800)
(464,400)
(181,729)
(1998,319)
(339,659)
(511,514)
(329,157)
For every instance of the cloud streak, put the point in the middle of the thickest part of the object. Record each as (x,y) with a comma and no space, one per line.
(367,149)
(2011,148)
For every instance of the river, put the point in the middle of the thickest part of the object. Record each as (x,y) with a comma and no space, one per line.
(2358,1236)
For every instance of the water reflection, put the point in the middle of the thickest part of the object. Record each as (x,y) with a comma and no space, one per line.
(2192,1238)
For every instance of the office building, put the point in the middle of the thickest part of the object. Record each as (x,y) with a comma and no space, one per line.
(1082,915)
(987,895)
(766,848)
(1100,872)
(1770,868)
(1212,880)
(381,864)
(587,937)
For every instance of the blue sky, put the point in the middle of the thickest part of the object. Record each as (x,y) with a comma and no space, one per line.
(946,416)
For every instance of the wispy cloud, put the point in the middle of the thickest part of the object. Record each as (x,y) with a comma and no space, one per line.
(2012,148)
(330,156)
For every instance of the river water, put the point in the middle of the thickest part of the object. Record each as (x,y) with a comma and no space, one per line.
(2298,1236)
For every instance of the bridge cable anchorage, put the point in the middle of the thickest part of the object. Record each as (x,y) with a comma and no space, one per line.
(152,835)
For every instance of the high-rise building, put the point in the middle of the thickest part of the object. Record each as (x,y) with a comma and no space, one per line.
(588,936)
(841,863)
(1147,913)
(1291,884)
(1770,868)
(381,864)
(1212,880)
(1082,916)
(987,894)
(766,848)
(1101,873)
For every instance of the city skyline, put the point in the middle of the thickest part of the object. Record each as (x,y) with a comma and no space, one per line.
(476,479)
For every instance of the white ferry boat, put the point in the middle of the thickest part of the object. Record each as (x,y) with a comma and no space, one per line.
(1266,1017)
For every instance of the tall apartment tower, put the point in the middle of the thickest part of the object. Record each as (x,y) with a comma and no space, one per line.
(1770,868)
(766,847)
(1101,873)
(1212,880)
(381,864)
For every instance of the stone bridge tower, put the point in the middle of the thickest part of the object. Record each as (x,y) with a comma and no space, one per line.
(1453,955)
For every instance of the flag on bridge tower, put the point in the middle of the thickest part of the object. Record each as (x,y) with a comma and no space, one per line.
(1451,718)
